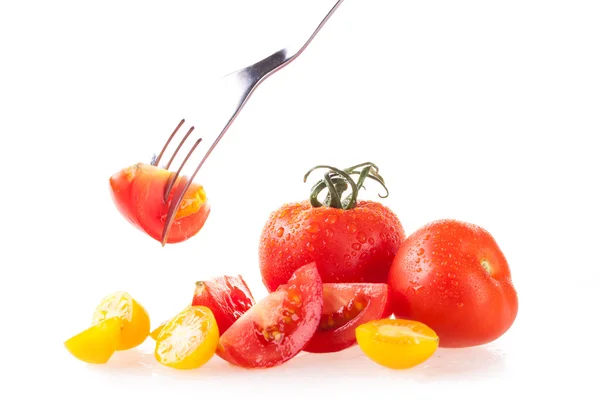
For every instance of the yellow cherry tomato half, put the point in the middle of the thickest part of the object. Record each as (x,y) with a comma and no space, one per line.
(188,340)
(397,343)
(135,322)
(96,344)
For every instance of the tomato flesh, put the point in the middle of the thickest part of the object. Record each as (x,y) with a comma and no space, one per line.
(397,343)
(345,307)
(279,326)
(138,194)
(452,276)
(228,298)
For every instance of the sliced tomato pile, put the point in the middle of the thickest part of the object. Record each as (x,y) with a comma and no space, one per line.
(346,306)
(223,318)
(279,326)
(138,193)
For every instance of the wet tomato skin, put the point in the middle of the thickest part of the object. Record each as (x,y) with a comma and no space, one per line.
(279,326)
(349,246)
(453,277)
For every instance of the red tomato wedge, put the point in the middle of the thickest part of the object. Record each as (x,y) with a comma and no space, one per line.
(345,307)
(279,326)
(138,191)
(228,298)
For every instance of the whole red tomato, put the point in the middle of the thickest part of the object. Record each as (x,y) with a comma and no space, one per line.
(453,277)
(350,241)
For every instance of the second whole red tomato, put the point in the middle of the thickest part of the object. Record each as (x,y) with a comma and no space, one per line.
(453,277)
(351,241)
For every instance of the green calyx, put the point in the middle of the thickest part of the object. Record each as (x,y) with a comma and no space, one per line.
(337,181)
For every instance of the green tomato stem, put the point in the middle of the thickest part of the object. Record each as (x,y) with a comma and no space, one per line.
(336,181)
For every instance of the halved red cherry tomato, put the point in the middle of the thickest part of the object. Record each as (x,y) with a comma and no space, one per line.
(279,326)
(345,307)
(228,298)
(138,193)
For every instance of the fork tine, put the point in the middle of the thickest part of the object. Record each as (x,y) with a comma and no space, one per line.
(173,177)
(156,161)
(179,147)
(178,197)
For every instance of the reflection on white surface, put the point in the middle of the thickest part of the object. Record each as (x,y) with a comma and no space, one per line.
(445,364)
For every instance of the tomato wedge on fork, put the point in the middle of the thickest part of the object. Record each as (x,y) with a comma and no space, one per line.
(138,193)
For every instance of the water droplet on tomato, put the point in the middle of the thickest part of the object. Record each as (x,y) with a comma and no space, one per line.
(331,219)
(310,247)
(419,270)
(312,228)
(348,264)
(363,255)
(293,245)
(460,305)
(421,251)
(352,227)
(280,232)
(427,237)
(356,246)
(361,237)
(371,241)
(336,265)
(327,233)
(414,281)
(418,260)
(373,250)
(346,257)
(417,288)
(283,213)
(288,236)
(290,259)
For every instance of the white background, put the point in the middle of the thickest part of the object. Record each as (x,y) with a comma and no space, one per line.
(476,110)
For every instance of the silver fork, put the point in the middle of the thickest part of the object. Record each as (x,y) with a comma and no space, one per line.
(233,92)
